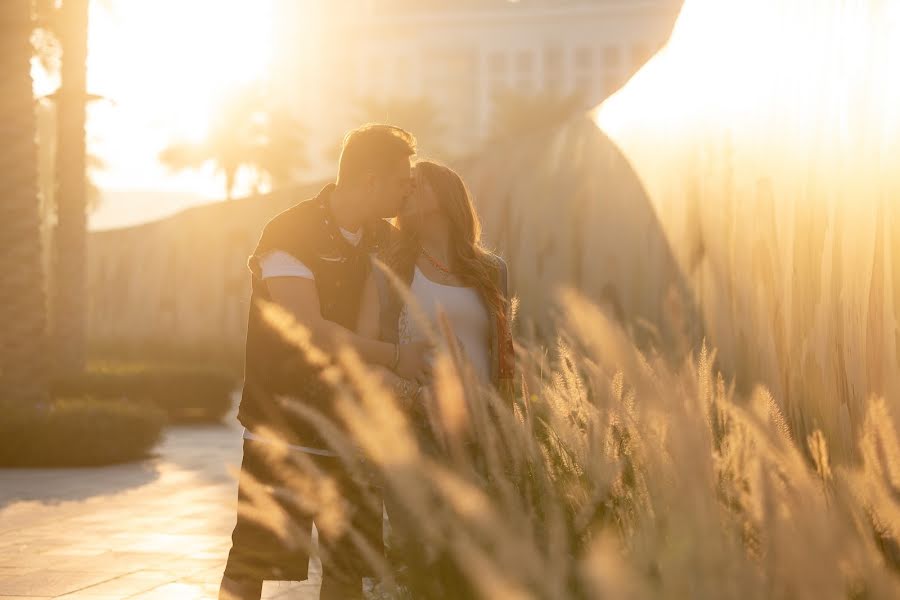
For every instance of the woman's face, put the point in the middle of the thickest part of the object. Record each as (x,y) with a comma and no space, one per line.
(423,205)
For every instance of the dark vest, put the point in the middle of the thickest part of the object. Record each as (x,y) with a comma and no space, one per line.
(276,371)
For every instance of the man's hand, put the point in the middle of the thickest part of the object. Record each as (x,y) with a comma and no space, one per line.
(415,361)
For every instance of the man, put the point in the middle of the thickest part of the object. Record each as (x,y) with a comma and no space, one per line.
(312,260)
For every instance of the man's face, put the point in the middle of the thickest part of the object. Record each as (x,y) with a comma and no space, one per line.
(390,189)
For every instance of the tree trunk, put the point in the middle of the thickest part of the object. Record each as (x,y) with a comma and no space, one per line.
(71,174)
(23,373)
(230,177)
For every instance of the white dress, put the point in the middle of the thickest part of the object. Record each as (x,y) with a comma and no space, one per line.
(465,311)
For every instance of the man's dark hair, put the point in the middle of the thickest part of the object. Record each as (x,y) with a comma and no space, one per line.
(371,148)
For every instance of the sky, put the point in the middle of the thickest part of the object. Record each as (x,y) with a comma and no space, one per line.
(161,67)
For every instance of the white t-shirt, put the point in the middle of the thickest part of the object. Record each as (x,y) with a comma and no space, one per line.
(278,263)
(464,309)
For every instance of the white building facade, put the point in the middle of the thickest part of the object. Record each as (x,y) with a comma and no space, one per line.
(459,55)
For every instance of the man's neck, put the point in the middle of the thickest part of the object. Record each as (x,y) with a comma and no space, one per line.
(345,209)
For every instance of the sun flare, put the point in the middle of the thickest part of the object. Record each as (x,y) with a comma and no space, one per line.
(163,67)
(178,57)
(816,64)
(767,136)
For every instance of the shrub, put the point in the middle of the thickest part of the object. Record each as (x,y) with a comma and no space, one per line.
(81,432)
(184,394)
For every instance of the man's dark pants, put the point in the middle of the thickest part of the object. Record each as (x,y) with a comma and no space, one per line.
(279,499)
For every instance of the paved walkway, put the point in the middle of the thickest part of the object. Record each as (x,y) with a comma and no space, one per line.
(157,529)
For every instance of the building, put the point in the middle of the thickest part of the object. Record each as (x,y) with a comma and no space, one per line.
(458,55)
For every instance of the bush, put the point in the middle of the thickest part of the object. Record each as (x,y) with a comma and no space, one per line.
(185,395)
(80,432)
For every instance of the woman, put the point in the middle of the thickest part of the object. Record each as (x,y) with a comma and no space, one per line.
(441,269)
(438,257)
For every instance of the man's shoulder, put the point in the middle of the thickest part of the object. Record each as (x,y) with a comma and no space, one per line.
(305,214)
(295,230)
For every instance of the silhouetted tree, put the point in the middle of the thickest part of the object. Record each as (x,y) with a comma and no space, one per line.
(46,142)
(66,191)
(69,238)
(23,344)
(246,131)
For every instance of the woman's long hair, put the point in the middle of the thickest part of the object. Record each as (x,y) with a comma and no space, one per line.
(471,262)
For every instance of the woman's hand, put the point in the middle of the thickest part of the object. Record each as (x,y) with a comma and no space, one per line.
(414,361)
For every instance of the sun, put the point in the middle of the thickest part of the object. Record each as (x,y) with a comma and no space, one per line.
(163,67)
(776,81)
(729,61)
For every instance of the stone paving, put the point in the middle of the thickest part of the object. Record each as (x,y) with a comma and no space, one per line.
(156,529)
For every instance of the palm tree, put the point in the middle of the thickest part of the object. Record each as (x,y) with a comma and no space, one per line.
(68,299)
(23,317)
(47,152)
(246,131)
(283,153)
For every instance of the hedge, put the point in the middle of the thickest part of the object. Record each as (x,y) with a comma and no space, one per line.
(82,432)
(184,394)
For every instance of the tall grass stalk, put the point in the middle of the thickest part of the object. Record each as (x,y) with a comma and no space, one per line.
(612,474)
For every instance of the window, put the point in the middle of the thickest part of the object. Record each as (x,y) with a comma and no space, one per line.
(612,57)
(554,70)
(498,88)
(584,58)
(498,63)
(524,63)
(553,58)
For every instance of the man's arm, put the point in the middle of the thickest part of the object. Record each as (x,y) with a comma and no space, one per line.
(298,296)
(368,323)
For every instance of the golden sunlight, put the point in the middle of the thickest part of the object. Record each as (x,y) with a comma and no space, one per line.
(764,68)
(164,66)
(767,135)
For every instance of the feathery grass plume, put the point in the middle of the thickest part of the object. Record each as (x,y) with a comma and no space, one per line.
(282,321)
(876,487)
(323,498)
(689,488)
(262,508)
(603,341)
(819,451)
(513,309)
(423,322)
(449,409)
(304,485)
(488,580)
(765,407)
(378,425)
(607,574)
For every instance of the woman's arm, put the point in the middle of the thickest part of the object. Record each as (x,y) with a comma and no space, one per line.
(368,326)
